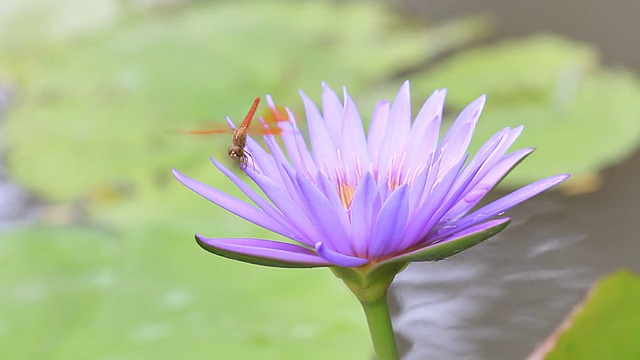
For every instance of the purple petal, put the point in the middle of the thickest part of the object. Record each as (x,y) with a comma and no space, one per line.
(262,160)
(282,199)
(470,172)
(489,164)
(322,146)
(263,252)
(475,229)
(324,216)
(377,129)
(328,189)
(503,204)
(450,246)
(398,125)
(364,210)
(455,142)
(297,147)
(418,187)
(332,110)
(353,144)
(390,223)
(230,203)
(264,205)
(476,192)
(339,259)
(423,139)
(423,219)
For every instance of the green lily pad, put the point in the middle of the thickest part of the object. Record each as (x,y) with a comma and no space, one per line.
(580,116)
(605,326)
(94,110)
(92,295)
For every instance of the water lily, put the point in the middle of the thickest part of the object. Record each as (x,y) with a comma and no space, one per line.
(366,204)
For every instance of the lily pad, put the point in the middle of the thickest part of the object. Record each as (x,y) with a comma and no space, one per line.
(92,295)
(94,110)
(605,326)
(580,117)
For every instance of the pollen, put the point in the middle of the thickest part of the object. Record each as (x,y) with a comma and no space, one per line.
(346,194)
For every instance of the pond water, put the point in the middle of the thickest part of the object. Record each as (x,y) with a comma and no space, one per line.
(500,299)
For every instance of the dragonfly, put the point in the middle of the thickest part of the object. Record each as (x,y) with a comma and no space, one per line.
(237,150)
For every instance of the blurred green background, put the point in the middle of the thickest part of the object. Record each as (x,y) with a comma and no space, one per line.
(109,268)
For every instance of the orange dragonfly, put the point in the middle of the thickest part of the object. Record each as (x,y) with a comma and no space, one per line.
(239,135)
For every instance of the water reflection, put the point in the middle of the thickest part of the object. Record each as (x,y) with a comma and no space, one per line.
(500,299)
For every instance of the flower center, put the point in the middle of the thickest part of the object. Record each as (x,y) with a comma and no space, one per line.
(346,194)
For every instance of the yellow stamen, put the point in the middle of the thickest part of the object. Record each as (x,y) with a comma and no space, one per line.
(346,194)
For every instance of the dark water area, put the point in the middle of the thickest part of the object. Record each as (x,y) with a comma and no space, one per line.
(611,25)
(501,299)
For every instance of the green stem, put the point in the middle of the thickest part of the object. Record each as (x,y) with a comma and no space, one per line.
(370,287)
(381,329)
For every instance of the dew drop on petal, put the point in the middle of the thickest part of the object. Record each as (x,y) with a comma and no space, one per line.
(479,217)
(446,228)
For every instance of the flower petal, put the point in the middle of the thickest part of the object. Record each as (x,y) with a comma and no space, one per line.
(503,204)
(322,145)
(324,216)
(455,142)
(353,144)
(337,258)
(476,192)
(390,223)
(330,191)
(263,252)
(377,130)
(422,221)
(284,200)
(365,207)
(229,203)
(332,110)
(296,146)
(448,247)
(496,155)
(423,139)
(264,205)
(261,159)
(397,129)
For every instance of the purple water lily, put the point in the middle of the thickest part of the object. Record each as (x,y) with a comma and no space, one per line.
(355,200)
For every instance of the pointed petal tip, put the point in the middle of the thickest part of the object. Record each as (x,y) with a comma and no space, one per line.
(217,164)
(326,87)
(552,181)
(474,108)
(480,101)
(179,176)
(270,102)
